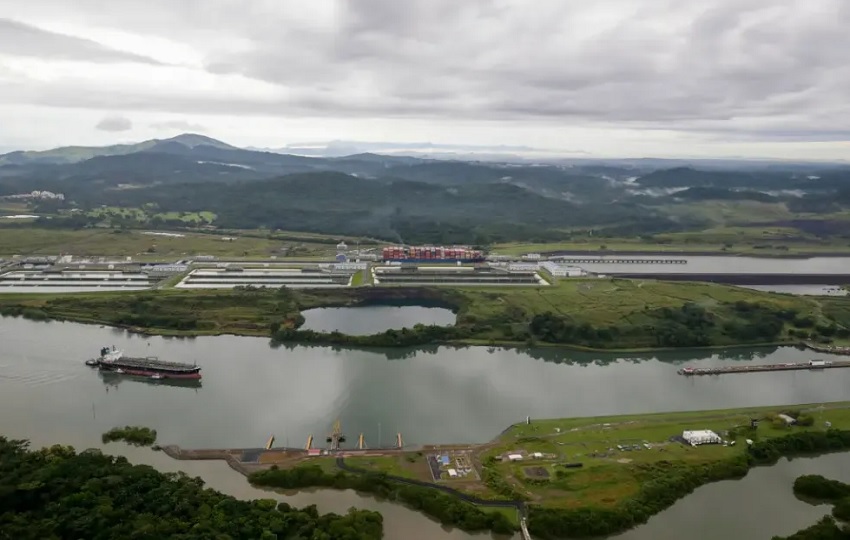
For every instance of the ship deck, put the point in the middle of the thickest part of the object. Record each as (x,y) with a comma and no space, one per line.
(151,362)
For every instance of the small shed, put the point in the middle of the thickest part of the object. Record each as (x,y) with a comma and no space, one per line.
(452,473)
(537,455)
(514,457)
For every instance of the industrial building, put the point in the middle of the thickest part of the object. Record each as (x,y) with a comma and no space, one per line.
(236,276)
(556,269)
(398,274)
(72,280)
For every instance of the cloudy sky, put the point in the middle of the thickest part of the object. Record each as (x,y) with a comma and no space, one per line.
(605,77)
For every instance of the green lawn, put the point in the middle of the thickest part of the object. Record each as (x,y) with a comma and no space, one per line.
(395,465)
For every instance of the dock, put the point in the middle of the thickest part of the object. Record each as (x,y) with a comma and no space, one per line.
(814,365)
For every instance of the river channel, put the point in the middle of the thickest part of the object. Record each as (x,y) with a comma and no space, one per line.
(251,390)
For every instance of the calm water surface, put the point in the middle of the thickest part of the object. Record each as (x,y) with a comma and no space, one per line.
(718,264)
(437,395)
(366,320)
(801,290)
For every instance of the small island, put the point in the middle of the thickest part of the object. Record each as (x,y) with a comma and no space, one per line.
(135,435)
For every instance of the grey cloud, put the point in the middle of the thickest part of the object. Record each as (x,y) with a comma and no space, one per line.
(181,125)
(745,65)
(19,39)
(114,123)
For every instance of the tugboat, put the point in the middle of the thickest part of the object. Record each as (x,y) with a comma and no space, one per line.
(113,360)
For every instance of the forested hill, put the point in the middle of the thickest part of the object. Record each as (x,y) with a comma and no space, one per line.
(409,199)
(332,202)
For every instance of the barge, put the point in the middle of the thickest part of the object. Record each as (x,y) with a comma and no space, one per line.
(756,368)
(114,361)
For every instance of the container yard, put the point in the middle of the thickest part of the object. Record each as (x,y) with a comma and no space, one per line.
(432,254)
(53,280)
(227,278)
(454,275)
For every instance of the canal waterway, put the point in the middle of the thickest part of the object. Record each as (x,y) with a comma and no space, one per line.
(718,264)
(801,290)
(251,390)
(366,320)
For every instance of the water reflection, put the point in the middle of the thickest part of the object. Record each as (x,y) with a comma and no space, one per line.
(556,355)
(366,320)
(112,380)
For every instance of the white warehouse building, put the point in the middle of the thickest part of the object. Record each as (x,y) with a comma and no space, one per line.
(561,270)
(704,436)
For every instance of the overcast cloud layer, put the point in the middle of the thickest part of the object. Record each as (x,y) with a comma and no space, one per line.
(610,77)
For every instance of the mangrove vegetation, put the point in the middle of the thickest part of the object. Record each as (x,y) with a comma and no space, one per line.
(135,435)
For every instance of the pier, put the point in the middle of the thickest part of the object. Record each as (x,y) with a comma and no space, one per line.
(798,366)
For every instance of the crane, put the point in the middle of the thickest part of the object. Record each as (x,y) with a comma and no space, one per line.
(336,437)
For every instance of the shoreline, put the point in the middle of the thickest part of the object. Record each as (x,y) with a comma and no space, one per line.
(514,345)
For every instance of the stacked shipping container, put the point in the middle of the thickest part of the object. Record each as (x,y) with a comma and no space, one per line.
(432,254)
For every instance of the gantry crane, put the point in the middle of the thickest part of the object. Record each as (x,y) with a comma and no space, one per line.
(336,437)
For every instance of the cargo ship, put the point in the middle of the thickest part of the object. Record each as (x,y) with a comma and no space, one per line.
(432,254)
(114,361)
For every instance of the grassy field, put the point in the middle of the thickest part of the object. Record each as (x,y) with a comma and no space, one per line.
(608,475)
(134,243)
(722,239)
(619,301)
(14,207)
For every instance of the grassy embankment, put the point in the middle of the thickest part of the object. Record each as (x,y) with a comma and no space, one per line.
(16,240)
(606,314)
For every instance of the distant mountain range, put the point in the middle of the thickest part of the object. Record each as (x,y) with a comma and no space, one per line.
(401,196)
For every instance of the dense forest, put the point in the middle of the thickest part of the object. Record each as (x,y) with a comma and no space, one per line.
(56,493)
